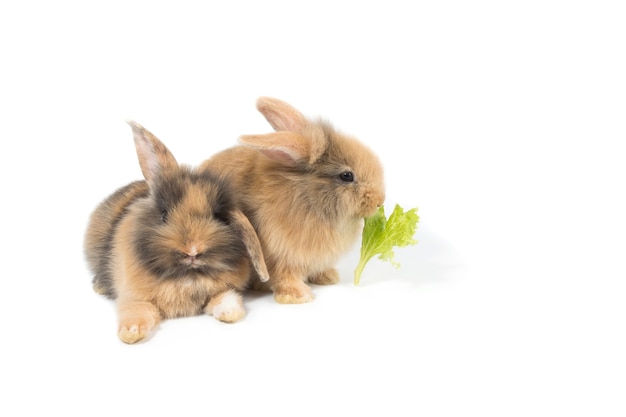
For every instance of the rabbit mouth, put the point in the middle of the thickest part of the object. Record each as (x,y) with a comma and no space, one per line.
(190,258)
(371,203)
(192,262)
(368,210)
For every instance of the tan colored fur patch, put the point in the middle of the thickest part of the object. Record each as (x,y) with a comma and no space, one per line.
(103,219)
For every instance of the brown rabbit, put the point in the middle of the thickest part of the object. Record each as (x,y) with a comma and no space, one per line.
(173,245)
(306,189)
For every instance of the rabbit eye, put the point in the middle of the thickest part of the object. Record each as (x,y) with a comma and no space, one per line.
(346,176)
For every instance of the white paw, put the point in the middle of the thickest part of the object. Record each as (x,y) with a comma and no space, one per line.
(227,307)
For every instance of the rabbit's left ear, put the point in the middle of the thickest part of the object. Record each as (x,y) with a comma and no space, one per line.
(251,242)
(282,116)
(154,157)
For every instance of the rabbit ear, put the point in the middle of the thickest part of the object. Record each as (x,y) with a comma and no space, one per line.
(287,148)
(282,116)
(154,157)
(251,242)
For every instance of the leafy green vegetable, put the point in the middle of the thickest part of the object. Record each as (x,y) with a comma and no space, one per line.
(381,235)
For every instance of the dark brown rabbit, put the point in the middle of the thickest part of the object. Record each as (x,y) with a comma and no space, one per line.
(173,245)
(306,188)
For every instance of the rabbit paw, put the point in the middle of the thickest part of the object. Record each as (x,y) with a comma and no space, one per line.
(227,307)
(328,277)
(296,293)
(98,289)
(133,332)
(136,321)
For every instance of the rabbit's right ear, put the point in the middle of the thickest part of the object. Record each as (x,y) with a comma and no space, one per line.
(296,139)
(287,148)
(154,157)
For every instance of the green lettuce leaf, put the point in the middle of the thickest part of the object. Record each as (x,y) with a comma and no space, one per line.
(382,235)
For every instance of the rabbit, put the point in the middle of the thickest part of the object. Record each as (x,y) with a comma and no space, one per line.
(306,188)
(171,246)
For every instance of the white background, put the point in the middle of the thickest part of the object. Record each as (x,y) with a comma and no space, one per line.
(504,122)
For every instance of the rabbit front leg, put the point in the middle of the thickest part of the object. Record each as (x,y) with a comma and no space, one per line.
(327,277)
(290,288)
(296,292)
(226,306)
(137,319)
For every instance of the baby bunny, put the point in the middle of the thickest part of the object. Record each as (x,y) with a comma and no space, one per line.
(306,189)
(173,245)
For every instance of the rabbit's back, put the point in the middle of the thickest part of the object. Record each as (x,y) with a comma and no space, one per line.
(100,235)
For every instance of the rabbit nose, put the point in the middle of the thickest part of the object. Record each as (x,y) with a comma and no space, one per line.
(190,255)
(192,252)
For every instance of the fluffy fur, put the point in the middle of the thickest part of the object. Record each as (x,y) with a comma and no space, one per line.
(173,245)
(306,189)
